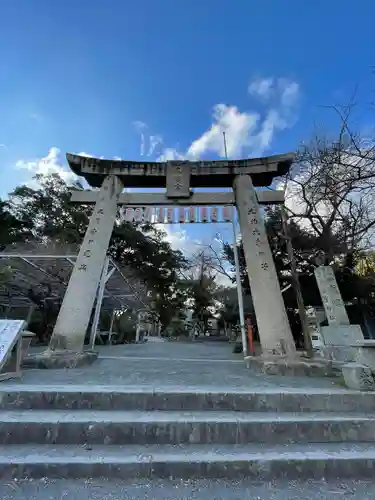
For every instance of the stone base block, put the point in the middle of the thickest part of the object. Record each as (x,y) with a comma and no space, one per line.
(365,356)
(342,335)
(59,359)
(296,366)
(338,353)
(358,377)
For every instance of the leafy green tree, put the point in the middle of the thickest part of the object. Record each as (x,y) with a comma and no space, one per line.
(12,228)
(48,213)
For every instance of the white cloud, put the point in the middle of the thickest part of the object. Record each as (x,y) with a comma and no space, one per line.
(261,87)
(290,92)
(36,116)
(262,141)
(87,155)
(50,164)
(141,127)
(155,141)
(178,238)
(249,133)
(170,154)
(149,144)
(237,126)
(270,88)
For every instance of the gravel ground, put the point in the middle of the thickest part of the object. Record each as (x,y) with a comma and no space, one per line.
(186,490)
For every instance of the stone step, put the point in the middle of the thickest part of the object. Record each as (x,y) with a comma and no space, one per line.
(129,398)
(192,461)
(63,427)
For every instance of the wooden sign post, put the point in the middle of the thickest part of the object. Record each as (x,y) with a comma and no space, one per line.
(10,348)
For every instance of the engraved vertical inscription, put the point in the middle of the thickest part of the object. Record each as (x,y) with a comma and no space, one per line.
(178,180)
(331,297)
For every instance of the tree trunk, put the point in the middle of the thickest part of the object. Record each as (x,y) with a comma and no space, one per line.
(296,286)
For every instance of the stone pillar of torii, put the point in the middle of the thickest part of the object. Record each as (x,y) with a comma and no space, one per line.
(178,178)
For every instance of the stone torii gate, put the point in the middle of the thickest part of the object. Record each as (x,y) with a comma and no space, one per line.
(112,176)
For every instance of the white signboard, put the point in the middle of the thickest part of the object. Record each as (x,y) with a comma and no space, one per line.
(10,331)
(178,215)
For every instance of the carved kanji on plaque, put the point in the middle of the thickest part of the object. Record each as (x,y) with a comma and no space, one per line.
(178,180)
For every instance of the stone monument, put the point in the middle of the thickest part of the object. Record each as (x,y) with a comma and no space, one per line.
(339,336)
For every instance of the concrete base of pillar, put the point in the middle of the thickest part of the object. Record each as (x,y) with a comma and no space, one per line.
(358,377)
(291,366)
(59,359)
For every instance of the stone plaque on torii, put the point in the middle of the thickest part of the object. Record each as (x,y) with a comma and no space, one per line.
(179,179)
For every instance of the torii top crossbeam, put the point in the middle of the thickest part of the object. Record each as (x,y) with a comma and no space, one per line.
(202,173)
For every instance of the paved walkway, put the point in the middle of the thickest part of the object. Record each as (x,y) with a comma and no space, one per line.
(170,365)
(188,490)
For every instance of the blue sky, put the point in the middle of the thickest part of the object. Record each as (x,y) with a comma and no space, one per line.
(158,79)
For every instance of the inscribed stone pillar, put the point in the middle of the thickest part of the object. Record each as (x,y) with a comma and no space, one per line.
(339,336)
(273,325)
(331,297)
(74,316)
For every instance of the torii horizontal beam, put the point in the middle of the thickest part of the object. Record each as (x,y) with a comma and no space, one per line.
(266,197)
(207,173)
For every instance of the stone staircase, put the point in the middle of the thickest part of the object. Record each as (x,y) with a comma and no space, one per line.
(116,432)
